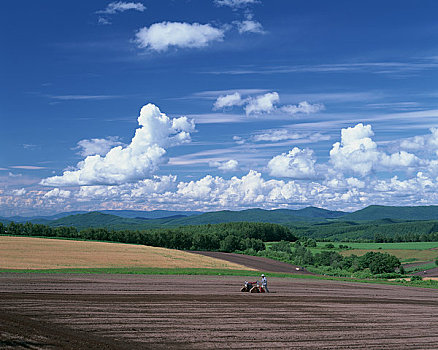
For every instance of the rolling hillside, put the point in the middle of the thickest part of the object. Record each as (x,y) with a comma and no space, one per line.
(96,219)
(376,212)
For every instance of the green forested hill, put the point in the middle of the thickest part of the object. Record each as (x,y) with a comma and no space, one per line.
(374,230)
(376,212)
(250,215)
(96,219)
(313,212)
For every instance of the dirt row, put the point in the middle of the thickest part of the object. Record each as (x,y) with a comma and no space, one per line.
(209,312)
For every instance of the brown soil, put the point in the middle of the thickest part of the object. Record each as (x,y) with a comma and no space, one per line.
(192,312)
(256,262)
(429,273)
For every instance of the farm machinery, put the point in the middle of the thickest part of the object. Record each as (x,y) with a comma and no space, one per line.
(253,287)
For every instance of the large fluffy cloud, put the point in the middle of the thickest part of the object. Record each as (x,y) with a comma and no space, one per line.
(423,142)
(161,36)
(297,164)
(358,153)
(136,161)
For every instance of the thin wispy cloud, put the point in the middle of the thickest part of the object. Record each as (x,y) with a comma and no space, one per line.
(117,7)
(249,26)
(121,6)
(213,94)
(217,118)
(235,4)
(366,67)
(27,167)
(82,97)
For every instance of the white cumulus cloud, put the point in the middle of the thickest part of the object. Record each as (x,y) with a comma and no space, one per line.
(358,153)
(229,100)
(161,36)
(303,107)
(225,166)
(265,103)
(399,159)
(262,104)
(97,146)
(136,161)
(19,192)
(297,164)
(422,142)
(57,193)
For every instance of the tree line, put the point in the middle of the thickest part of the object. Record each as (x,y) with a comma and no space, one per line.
(227,237)
(375,262)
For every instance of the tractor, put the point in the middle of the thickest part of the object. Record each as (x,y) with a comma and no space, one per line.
(252,287)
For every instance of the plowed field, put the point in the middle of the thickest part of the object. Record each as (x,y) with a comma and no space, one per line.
(192,312)
(256,262)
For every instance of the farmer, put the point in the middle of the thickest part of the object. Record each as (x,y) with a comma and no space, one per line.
(265,283)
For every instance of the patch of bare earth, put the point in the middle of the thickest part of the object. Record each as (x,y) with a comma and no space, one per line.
(431,273)
(192,312)
(256,262)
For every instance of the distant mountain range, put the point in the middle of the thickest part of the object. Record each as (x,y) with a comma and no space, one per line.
(132,219)
(153,214)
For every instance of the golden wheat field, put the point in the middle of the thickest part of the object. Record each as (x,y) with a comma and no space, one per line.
(42,253)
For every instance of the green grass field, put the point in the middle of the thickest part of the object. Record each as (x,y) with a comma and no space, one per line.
(405,251)
(385,246)
(423,267)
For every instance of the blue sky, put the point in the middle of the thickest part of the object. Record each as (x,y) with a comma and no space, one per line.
(242,103)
